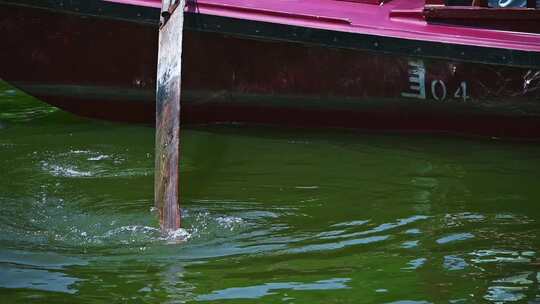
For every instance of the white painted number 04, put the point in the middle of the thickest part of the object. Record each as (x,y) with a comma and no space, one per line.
(439,89)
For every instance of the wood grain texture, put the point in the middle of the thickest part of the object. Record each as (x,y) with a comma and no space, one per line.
(168,120)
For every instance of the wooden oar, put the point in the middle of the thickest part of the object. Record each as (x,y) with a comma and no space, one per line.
(168,114)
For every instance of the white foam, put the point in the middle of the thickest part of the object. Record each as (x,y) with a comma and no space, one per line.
(176,236)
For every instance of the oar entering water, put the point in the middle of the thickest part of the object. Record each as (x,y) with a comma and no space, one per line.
(168,114)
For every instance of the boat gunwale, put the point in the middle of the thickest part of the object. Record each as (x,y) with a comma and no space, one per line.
(261,30)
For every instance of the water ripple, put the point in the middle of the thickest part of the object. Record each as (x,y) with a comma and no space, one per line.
(37,270)
(499,256)
(381,228)
(415,264)
(259,291)
(452,262)
(455,237)
(89,164)
(339,245)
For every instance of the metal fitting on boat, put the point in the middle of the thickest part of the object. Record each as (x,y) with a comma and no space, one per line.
(167,8)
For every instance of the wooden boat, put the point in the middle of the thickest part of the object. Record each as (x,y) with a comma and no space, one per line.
(405,65)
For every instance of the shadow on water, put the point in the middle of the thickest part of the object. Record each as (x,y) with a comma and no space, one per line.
(270,215)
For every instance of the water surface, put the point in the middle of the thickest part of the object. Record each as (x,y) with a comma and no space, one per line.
(269,215)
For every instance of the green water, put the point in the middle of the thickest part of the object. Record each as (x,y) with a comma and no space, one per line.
(270,215)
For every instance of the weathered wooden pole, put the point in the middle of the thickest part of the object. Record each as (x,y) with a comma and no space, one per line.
(169,71)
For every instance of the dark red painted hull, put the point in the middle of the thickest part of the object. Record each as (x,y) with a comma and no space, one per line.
(106,69)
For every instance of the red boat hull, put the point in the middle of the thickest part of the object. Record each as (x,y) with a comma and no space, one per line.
(104,68)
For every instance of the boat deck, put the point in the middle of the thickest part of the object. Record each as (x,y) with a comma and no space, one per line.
(396,18)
